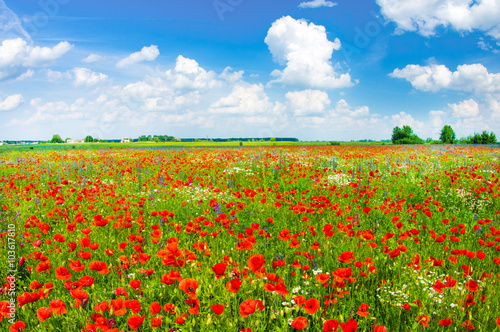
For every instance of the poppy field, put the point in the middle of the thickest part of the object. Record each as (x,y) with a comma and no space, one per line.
(342,238)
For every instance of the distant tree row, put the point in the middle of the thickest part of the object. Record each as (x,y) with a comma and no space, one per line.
(405,135)
(483,138)
(166,138)
(156,138)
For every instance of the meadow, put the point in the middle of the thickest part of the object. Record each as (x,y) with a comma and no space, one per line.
(267,238)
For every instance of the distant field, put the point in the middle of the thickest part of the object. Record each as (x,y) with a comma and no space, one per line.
(93,146)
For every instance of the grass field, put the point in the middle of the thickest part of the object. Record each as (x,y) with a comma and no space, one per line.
(97,146)
(264,238)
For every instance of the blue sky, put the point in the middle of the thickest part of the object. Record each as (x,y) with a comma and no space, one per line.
(315,70)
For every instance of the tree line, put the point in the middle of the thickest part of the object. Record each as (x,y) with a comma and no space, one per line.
(447,135)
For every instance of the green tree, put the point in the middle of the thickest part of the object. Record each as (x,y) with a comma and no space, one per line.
(447,135)
(488,138)
(483,138)
(405,135)
(493,138)
(88,139)
(56,139)
(273,139)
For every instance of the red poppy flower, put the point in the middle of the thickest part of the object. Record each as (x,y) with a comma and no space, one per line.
(281,289)
(194,305)
(331,325)
(343,272)
(86,281)
(394,253)
(156,322)
(249,306)
(445,322)
(438,286)
(79,296)
(43,314)
(270,287)
(133,305)
(169,308)
(171,277)
(117,307)
(299,300)
(350,326)
(346,257)
(135,321)
(380,328)
(423,320)
(299,323)
(471,285)
(217,309)
(99,267)
(181,319)
(120,291)
(480,254)
(255,262)
(17,326)
(101,307)
(219,269)
(363,310)
(5,310)
(311,306)
(35,285)
(234,285)
(44,266)
(154,308)
(76,265)
(468,325)
(188,286)
(57,307)
(134,284)
(469,300)
(62,273)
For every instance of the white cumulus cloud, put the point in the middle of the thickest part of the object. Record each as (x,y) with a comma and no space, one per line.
(188,74)
(245,99)
(465,109)
(404,119)
(317,4)
(469,78)
(51,111)
(93,58)
(84,76)
(231,76)
(11,102)
(147,53)
(307,101)
(425,16)
(305,50)
(16,56)
(345,110)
